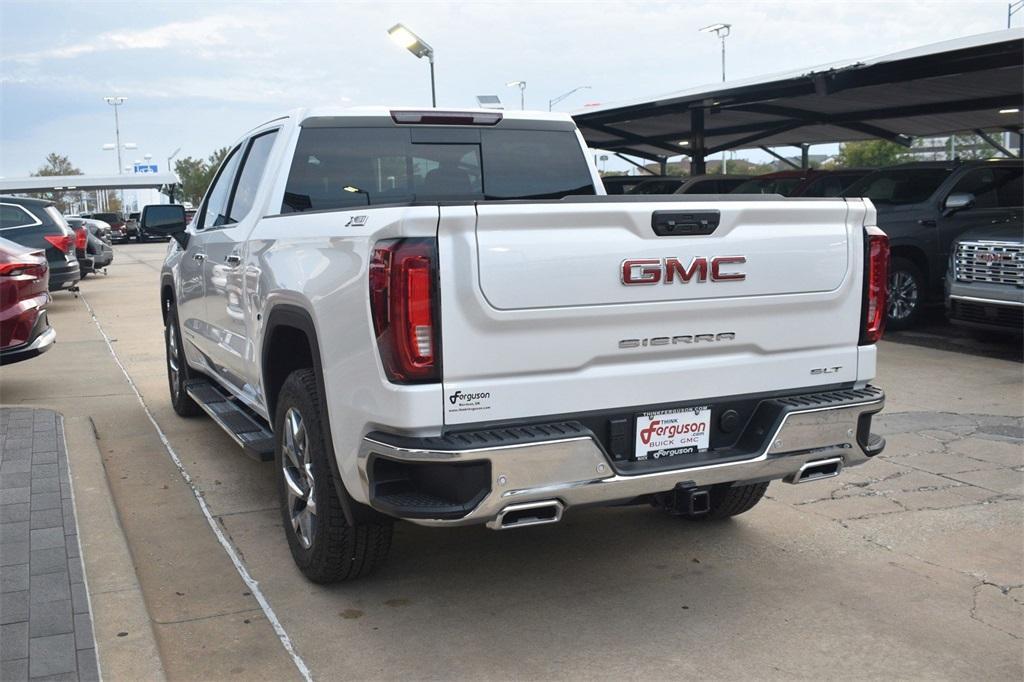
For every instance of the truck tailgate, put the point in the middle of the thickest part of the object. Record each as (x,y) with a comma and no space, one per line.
(556,308)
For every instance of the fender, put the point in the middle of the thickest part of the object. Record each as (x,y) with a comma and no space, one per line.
(288,315)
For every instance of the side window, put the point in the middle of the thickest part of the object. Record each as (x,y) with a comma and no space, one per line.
(216,207)
(12,215)
(1010,191)
(992,187)
(249,179)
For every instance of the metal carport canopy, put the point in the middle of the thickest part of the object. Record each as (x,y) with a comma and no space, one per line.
(49,183)
(945,87)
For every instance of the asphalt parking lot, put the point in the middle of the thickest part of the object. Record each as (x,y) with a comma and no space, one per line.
(911,566)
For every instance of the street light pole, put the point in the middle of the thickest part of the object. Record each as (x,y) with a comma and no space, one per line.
(433,89)
(722,31)
(405,38)
(556,100)
(522,91)
(116,102)
(1011,9)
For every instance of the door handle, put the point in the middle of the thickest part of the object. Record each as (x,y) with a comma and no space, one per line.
(199,257)
(233,259)
(926,222)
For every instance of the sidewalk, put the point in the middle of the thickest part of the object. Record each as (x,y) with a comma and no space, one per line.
(45,624)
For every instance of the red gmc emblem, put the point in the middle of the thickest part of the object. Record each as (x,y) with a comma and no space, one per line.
(989,257)
(700,269)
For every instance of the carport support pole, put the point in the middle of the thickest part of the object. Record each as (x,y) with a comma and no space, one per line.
(697,165)
(805,156)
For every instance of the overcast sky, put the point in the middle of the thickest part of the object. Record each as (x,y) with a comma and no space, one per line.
(198,74)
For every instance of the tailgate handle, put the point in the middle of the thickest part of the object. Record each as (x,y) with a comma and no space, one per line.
(683,224)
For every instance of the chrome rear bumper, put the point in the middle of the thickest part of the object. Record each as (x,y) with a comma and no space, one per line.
(576,471)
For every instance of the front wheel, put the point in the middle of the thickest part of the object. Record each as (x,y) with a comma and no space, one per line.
(325,547)
(906,294)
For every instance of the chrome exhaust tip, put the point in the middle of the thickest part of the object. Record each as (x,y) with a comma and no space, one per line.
(817,470)
(528,514)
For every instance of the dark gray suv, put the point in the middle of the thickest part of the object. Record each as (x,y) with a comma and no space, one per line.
(923,207)
(38,224)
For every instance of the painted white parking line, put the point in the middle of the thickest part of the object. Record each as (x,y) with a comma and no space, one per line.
(250,582)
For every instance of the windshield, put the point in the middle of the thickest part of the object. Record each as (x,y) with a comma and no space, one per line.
(898,185)
(347,167)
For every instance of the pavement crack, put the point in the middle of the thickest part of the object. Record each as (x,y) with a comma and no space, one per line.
(974,606)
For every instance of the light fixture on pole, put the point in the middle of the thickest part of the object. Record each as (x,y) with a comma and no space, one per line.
(556,100)
(522,91)
(1011,9)
(412,42)
(722,31)
(171,158)
(116,102)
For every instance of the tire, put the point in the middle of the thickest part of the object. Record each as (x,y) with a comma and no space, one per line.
(728,500)
(178,371)
(906,294)
(325,547)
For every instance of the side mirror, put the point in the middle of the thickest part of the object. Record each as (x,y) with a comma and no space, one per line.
(165,220)
(958,202)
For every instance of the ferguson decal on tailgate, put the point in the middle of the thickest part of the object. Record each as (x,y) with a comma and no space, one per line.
(460,401)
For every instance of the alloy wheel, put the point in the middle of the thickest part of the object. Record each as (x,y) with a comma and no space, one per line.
(297,469)
(903,295)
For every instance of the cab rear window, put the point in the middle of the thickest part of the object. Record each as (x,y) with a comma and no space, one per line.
(335,168)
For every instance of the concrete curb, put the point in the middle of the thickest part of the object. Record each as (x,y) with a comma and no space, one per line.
(114,592)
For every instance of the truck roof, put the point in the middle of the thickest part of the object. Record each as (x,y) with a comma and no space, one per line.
(303,113)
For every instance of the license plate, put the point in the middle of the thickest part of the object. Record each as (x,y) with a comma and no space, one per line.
(669,433)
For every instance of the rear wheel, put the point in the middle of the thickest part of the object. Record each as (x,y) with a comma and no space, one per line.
(177,368)
(325,547)
(906,294)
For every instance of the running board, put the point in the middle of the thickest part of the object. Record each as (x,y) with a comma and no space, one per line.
(244,427)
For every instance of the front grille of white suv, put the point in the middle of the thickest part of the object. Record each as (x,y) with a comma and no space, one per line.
(992,262)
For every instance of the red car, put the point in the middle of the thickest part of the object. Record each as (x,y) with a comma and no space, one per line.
(25,331)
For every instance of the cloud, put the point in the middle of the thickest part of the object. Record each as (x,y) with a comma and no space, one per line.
(208,37)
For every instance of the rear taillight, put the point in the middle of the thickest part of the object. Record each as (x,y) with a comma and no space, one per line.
(18,269)
(876,284)
(403,301)
(81,238)
(64,242)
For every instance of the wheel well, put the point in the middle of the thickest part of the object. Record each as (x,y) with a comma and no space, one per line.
(287,350)
(916,256)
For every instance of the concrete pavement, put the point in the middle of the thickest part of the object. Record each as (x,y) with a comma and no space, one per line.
(910,566)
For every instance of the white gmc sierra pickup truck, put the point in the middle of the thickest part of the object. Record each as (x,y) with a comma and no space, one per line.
(436,316)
